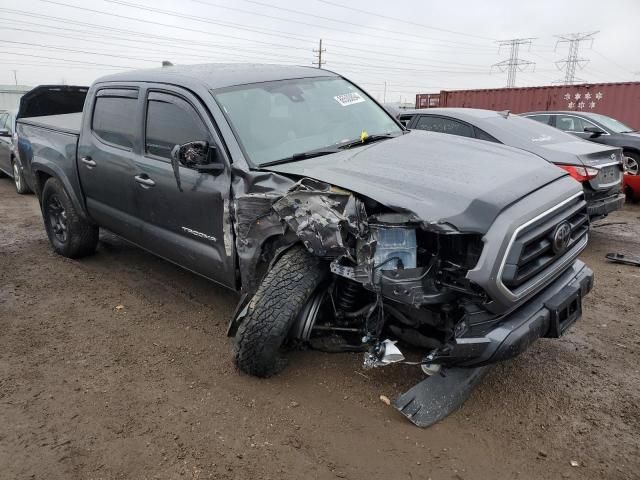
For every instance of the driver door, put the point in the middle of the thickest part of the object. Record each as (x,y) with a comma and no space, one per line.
(190,225)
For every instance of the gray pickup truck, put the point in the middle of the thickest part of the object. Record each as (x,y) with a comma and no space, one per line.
(340,229)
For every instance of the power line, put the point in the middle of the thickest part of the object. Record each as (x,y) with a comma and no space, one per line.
(573,61)
(360,11)
(189,17)
(190,29)
(613,62)
(97,31)
(330,19)
(164,52)
(513,64)
(276,33)
(65,60)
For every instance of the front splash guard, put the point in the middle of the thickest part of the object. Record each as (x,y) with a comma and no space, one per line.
(437,396)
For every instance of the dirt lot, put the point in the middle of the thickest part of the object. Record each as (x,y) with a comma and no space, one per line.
(117,366)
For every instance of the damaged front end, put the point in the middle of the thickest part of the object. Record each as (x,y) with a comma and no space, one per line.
(404,289)
(394,278)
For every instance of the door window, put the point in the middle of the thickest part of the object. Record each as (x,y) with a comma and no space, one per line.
(4,123)
(114,119)
(444,125)
(171,121)
(572,124)
(540,118)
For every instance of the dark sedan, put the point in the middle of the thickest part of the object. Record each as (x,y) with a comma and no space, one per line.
(598,128)
(9,163)
(597,167)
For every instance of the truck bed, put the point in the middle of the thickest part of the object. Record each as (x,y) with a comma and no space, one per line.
(67,123)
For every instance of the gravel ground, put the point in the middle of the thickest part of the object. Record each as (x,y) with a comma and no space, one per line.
(117,366)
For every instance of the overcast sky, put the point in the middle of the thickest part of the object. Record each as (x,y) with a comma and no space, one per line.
(415,46)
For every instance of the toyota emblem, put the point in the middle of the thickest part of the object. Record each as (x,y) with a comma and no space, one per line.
(561,237)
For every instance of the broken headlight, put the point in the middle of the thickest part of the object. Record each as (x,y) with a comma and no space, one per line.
(395,247)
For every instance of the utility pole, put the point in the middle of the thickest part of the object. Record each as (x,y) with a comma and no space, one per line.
(573,60)
(513,64)
(15,77)
(318,55)
(384,95)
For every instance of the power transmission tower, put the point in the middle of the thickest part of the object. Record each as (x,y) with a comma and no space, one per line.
(573,60)
(513,64)
(318,55)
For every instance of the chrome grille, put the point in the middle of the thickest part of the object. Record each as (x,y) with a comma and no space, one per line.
(533,251)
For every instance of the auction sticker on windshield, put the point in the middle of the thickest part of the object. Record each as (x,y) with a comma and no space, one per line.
(348,98)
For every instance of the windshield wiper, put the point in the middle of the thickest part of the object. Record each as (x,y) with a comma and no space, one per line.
(301,156)
(628,131)
(367,139)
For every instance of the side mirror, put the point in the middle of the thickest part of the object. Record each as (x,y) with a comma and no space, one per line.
(4,132)
(199,156)
(594,131)
(191,154)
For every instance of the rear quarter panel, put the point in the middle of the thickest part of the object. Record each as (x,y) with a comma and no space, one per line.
(49,153)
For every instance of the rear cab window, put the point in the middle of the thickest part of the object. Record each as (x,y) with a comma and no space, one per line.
(114,117)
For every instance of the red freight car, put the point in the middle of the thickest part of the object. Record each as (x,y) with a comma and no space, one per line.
(618,100)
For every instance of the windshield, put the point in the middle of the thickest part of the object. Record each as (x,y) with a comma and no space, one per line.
(277,120)
(522,132)
(610,123)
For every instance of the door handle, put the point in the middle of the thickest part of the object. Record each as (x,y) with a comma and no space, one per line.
(88,161)
(144,181)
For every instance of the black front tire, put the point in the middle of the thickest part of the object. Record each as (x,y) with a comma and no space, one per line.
(284,291)
(18,179)
(69,234)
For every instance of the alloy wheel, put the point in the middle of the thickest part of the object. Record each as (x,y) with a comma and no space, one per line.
(631,165)
(17,178)
(57,218)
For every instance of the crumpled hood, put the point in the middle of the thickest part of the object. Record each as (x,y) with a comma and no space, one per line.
(440,178)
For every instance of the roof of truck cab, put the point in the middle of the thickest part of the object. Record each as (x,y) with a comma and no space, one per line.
(217,75)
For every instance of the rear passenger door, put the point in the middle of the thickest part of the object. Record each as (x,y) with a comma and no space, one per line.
(191,225)
(107,150)
(448,125)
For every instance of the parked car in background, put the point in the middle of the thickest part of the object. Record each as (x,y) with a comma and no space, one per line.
(597,167)
(632,187)
(598,128)
(341,230)
(9,163)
